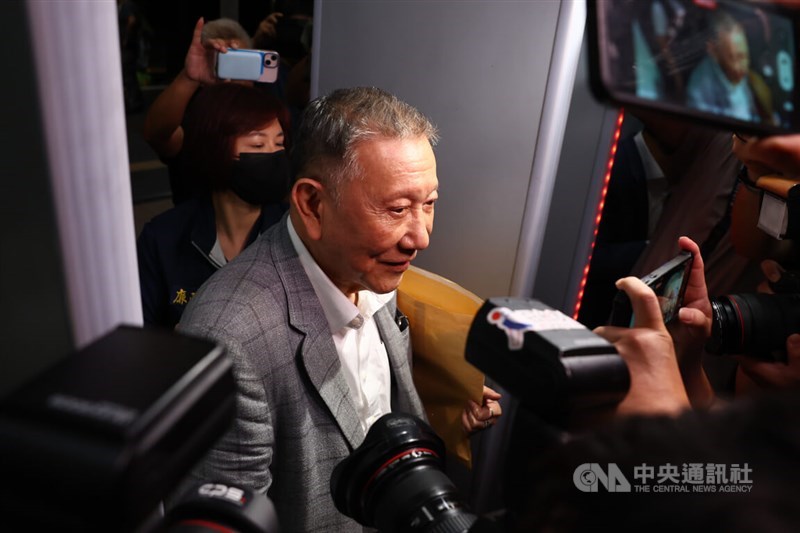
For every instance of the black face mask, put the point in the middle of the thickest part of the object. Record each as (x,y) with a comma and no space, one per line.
(259,178)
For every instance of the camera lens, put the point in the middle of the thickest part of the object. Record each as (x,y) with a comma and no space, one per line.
(753,324)
(395,481)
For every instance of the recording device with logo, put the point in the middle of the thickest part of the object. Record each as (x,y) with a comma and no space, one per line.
(731,64)
(246,64)
(668,282)
(98,440)
(551,363)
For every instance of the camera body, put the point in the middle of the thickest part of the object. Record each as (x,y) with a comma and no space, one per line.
(547,360)
(97,441)
(247,64)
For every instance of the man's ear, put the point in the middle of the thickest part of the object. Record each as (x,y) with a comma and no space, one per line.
(306,196)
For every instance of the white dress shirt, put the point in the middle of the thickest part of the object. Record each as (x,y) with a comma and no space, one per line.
(365,363)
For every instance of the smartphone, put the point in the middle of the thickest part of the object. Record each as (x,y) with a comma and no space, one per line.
(730,64)
(244,64)
(668,282)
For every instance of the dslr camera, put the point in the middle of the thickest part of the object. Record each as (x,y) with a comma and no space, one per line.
(757,324)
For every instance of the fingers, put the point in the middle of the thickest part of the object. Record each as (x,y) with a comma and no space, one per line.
(689,245)
(473,420)
(197,35)
(197,38)
(793,349)
(692,317)
(646,311)
(775,375)
(777,153)
(696,311)
(220,45)
(772,270)
(495,410)
(610,333)
(490,394)
(485,412)
(696,285)
(765,374)
(477,417)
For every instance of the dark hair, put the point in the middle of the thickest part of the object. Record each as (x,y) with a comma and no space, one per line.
(216,117)
(762,431)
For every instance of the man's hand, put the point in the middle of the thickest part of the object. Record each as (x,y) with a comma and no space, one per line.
(758,374)
(775,375)
(696,312)
(692,329)
(656,385)
(269,25)
(778,154)
(477,417)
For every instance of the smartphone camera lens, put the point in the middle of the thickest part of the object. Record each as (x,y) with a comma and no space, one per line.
(270,60)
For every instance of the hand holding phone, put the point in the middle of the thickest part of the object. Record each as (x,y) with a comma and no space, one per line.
(245,64)
(668,282)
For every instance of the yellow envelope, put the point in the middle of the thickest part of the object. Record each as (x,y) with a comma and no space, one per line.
(439,314)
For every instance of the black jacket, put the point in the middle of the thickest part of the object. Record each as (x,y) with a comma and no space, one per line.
(174,256)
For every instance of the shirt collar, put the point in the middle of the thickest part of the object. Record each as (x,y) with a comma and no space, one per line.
(720,74)
(339,310)
(652,170)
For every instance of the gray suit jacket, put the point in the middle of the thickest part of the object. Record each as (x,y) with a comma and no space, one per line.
(295,416)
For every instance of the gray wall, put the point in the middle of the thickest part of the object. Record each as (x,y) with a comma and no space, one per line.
(479,70)
(569,231)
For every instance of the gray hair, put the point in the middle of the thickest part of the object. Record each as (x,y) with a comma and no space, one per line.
(226,29)
(332,126)
(723,22)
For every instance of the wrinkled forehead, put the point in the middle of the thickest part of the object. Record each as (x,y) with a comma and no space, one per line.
(398,164)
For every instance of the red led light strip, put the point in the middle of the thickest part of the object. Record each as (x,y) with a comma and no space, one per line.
(599,211)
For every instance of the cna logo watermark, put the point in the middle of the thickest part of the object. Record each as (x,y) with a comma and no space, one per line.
(589,476)
(688,477)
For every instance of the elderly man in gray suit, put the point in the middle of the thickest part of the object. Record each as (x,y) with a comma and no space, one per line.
(308,313)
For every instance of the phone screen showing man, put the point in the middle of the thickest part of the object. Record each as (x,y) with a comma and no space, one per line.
(730,63)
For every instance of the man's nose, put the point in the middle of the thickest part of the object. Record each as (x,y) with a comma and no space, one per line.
(418,232)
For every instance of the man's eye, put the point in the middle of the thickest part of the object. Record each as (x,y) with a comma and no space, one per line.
(398,210)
